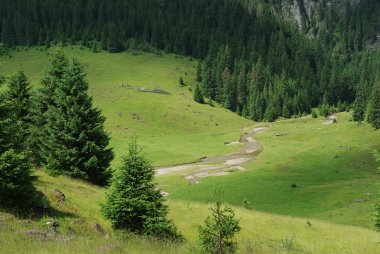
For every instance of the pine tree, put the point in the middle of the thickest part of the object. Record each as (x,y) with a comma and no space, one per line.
(42,99)
(374,107)
(76,143)
(360,103)
(19,92)
(285,111)
(199,73)
(114,44)
(133,201)
(270,114)
(217,235)
(16,190)
(198,94)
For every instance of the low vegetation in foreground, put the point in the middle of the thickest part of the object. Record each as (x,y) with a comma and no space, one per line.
(82,228)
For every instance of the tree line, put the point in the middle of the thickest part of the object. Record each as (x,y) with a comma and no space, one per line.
(254,62)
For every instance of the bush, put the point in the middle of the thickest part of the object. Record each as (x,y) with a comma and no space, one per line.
(314,114)
(217,235)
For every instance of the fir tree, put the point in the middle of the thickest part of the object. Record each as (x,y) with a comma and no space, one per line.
(198,94)
(374,107)
(76,143)
(217,235)
(199,73)
(19,90)
(16,190)
(270,114)
(360,103)
(18,94)
(42,99)
(285,111)
(133,201)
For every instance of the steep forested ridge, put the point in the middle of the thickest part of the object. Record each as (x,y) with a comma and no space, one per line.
(254,61)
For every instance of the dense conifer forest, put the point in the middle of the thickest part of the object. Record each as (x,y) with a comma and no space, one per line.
(254,62)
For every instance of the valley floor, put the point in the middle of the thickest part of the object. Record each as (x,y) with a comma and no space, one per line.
(310,190)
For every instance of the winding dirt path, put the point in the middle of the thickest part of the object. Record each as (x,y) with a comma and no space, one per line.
(219,165)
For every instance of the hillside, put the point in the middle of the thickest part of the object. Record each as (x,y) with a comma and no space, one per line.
(330,165)
(125,124)
(78,215)
(172,128)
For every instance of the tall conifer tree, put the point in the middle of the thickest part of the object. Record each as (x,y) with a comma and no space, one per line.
(76,143)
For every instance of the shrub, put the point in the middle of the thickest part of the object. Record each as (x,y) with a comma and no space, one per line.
(314,114)
(217,235)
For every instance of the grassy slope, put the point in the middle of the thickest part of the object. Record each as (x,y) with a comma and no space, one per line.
(261,232)
(172,128)
(331,165)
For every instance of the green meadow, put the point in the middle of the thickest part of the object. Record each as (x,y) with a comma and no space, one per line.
(173,129)
(310,190)
(306,169)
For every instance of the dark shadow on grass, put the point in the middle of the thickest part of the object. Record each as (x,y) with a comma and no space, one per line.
(39,208)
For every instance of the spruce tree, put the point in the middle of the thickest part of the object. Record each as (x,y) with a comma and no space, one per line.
(133,202)
(360,103)
(16,190)
(217,235)
(199,73)
(42,99)
(270,114)
(374,107)
(76,143)
(198,94)
(18,94)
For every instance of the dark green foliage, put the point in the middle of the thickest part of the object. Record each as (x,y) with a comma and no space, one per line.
(18,94)
(133,202)
(199,73)
(237,39)
(181,82)
(19,90)
(42,99)
(16,190)
(10,135)
(76,143)
(217,235)
(270,114)
(324,110)
(198,94)
(374,107)
(252,58)
(114,43)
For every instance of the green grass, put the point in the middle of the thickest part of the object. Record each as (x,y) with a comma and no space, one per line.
(331,165)
(172,129)
(261,232)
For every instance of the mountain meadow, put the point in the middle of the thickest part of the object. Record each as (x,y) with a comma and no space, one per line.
(217,126)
